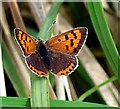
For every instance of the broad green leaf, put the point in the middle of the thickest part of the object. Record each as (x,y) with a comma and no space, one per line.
(25,102)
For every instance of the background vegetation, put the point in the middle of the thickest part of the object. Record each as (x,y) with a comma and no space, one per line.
(95,83)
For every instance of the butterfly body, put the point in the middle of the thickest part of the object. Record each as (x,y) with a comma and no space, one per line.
(57,54)
(44,53)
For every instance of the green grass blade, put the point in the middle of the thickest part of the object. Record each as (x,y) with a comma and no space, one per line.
(103,33)
(59,103)
(92,90)
(46,30)
(25,102)
(40,95)
(15,102)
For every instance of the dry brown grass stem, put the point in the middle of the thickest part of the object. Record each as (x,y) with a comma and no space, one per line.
(16,59)
(16,15)
(38,12)
(51,92)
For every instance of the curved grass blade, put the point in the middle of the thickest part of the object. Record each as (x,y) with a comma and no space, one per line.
(103,33)
(88,83)
(92,90)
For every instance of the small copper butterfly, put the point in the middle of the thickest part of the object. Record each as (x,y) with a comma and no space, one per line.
(57,54)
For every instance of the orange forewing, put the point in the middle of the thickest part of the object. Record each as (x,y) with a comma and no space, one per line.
(68,42)
(26,42)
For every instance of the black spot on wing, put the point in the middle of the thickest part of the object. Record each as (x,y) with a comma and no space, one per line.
(67,72)
(70,70)
(72,32)
(59,40)
(73,67)
(75,35)
(66,47)
(66,37)
(71,44)
(25,37)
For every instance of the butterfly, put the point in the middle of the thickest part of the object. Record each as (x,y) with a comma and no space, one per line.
(57,54)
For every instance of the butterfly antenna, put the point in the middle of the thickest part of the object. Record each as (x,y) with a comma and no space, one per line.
(51,26)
